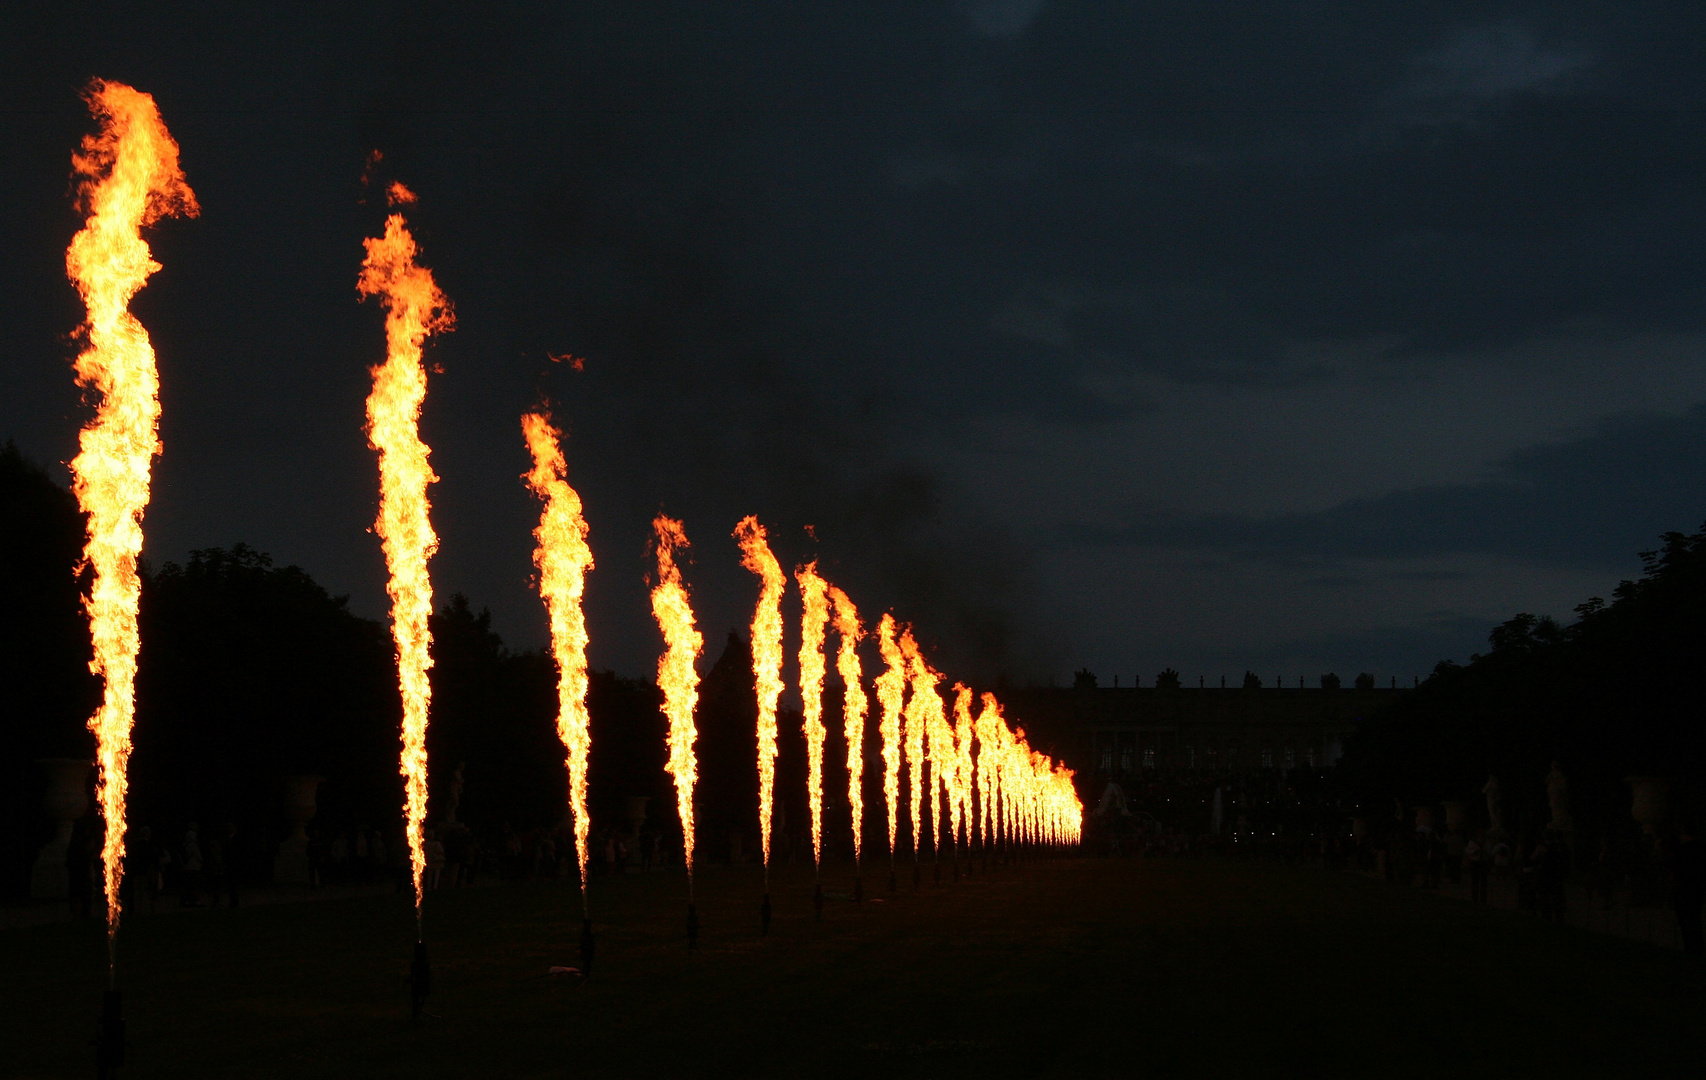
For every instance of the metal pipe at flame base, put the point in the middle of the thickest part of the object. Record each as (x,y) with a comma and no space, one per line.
(817,901)
(109,1035)
(892,884)
(858,890)
(588,946)
(917,876)
(692,927)
(420,981)
(764,916)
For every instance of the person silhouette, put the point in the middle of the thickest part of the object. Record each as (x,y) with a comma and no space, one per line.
(1688,889)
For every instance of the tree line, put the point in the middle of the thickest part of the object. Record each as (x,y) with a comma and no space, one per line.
(1616,693)
(251,672)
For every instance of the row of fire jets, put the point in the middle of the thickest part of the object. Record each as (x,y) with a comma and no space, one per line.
(992,785)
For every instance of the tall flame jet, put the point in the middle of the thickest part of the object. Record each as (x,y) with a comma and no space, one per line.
(414,309)
(128,178)
(563,558)
(940,735)
(766,662)
(677,677)
(988,723)
(923,712)
(814,622)
(854,705)
(962,794)
(891,689)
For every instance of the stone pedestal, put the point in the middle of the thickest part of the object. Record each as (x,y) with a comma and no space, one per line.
(290,866)
(636,818)
(1456,815)
(1558,800)
(1651,802)
(66,800)
(1649,806)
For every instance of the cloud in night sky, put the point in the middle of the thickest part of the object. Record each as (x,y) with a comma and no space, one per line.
(1001,18)
(1588,501)
(1487,64)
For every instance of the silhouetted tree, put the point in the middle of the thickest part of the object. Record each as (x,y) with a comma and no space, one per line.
(1329,681)
(628,751)
(249,672)
(1167,680)
(728,748)
(1612,694)
(494,714)
(1524,632)
(44,651)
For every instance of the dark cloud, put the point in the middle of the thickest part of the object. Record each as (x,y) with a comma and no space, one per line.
(1590,501)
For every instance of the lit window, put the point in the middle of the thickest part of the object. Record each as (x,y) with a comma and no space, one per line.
(1190,757)
(1267,758)
(1290,758)
(1149,759)
(1107,760)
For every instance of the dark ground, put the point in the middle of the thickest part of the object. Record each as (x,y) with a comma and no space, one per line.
(1071,968)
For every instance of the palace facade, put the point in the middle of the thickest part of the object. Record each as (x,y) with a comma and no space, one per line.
(1120,731)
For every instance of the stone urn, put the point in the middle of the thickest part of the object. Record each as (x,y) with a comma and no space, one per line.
(1651,801)
(1456,814)
(290,866)
(64,802)
(1424,818)
(636,818)
(636,805)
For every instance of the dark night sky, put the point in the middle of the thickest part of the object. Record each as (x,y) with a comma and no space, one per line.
(1296,337)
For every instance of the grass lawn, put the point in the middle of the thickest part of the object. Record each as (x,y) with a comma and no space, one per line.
(1072,968)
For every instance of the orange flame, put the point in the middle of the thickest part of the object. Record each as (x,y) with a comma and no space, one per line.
(130,178)
(941,738)
(923,712)
(1012,791)
(563,558)
(1010,787)
(1024,770)
(814,619)
(1031,799)
(985,727)
(962,804)
(891,688)
(766,662)
(1040,769)
(854,706)
(1003,796)
(677,677)
(414,308)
